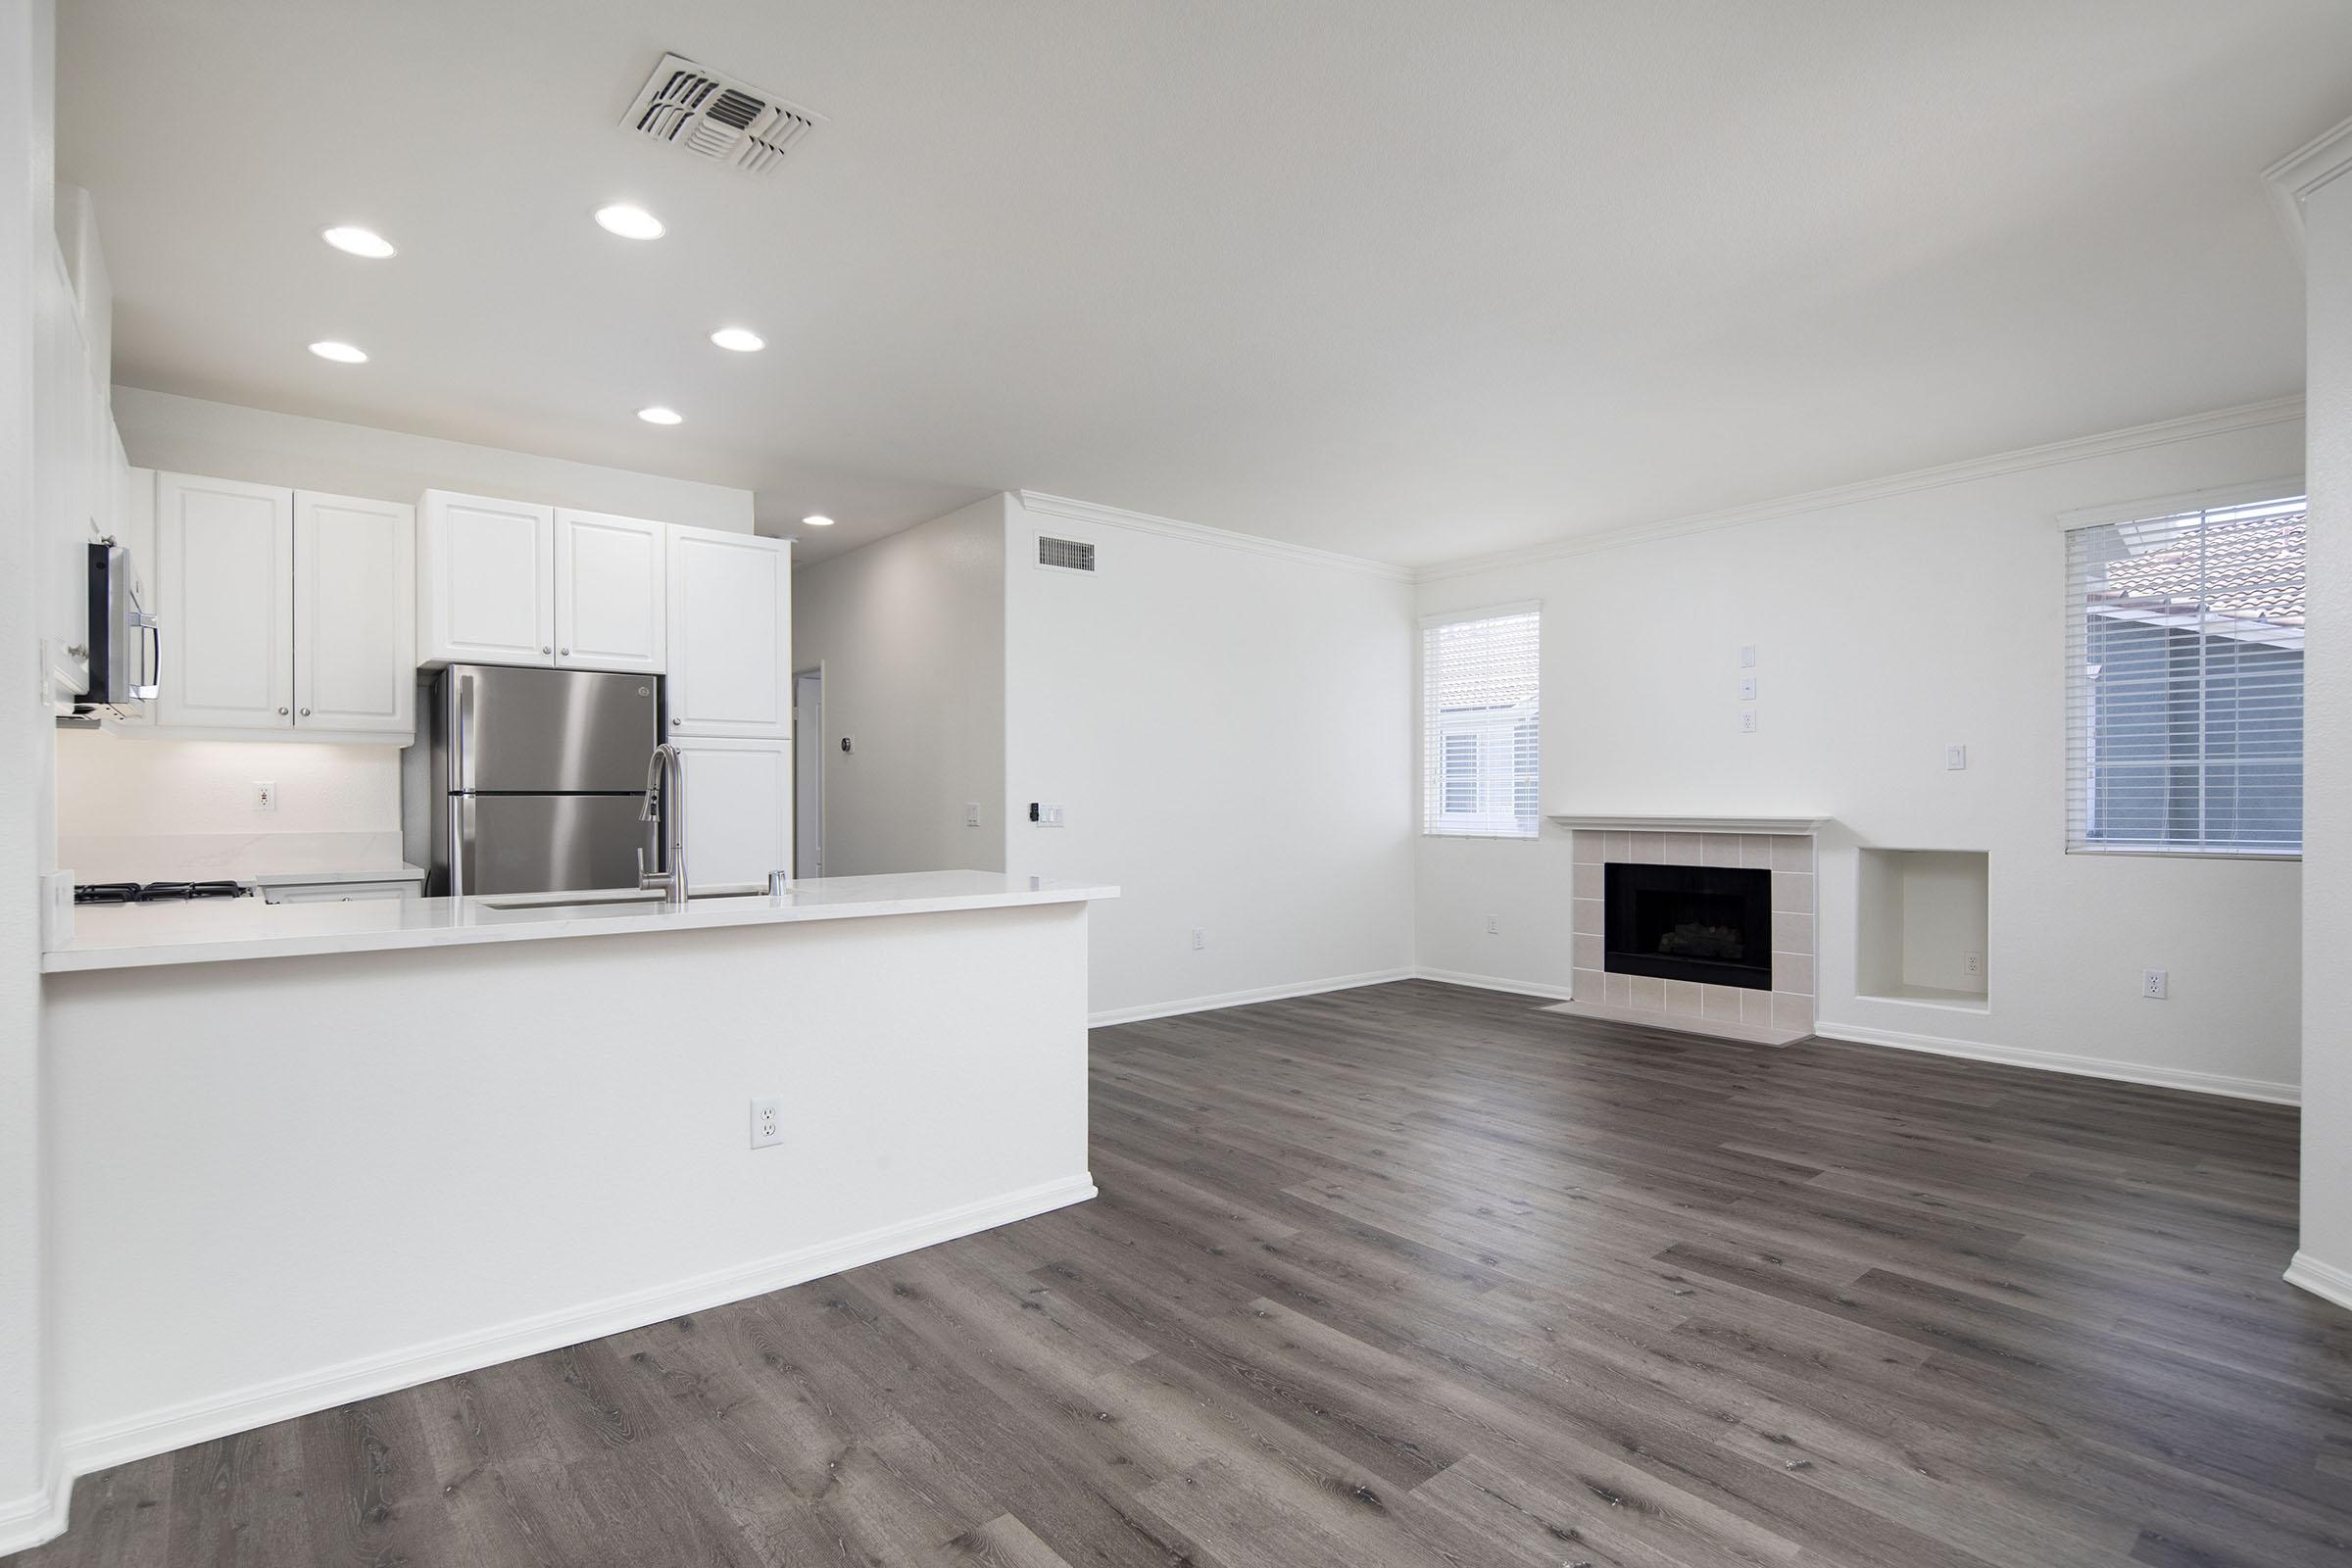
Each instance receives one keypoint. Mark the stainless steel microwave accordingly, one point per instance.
(126, 646)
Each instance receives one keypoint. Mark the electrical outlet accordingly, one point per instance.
(971, 814)
(767, 1123)
(1973, 962)
(1748, 688)
(1199, 939)
(265, 797)
(1747, 657)
(1955, 758)
(2155, 984)
(1747, 721)
(1493, 926)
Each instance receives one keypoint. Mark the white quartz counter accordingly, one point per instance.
(211, 931)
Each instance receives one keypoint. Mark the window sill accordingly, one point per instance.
(2160, 852)
(1518, 838)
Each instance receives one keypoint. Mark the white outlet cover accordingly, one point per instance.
(1748, 688)
(1747, 721)
(1747, 657)
(767, 1123)
(971, 814)
(264, 794)
(2156, 985)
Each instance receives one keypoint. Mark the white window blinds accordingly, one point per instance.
(2184, 691)
(1480, 727)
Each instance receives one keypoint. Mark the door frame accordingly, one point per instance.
(816, 781)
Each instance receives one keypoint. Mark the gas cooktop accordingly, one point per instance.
(155, 892)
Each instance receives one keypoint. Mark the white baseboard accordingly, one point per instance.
(161, 1431)
(2130, 1072)
(1487, 982)
(38, 1515)
(1242, 998)
(2323, 1280)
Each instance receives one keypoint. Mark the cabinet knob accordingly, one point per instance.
(281, 712)
(566, 651)
(306, 713)
(543, 648)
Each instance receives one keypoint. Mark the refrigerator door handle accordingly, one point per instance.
(461, 729)
(460, 842)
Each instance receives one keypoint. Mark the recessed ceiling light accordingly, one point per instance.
(819, 523)
(629, 222)
(359, 242)
(660, 415)
(742, 339)
(340, 353)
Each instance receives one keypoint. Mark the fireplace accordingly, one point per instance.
(1711, 924)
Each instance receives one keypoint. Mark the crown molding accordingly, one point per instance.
(1041, 505)
(2292, 179)
(2223, 421)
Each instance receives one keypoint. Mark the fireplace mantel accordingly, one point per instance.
(1694, 824)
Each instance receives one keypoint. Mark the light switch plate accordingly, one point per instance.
(1955, 758)
(1747, 657)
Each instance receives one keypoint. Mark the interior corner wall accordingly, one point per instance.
(2326, 1228)
(1886, 630)
(911, 633)
(228, 441)
(1223, 728)
(28, 37)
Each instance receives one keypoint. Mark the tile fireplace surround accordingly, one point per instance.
(1783, 846)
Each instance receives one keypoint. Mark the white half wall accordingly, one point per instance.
(2325, 1259)
(227, 441)
(911, 633)
(1889, 627)
(29, 1494)
(1225, 724)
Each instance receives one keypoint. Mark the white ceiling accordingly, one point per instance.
(1404, 278)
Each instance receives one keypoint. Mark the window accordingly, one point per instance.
(2184, 701)
(1481, 734)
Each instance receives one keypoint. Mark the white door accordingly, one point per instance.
(354, 614)
(730, 635)
(486, 582)
(611, 591)
(225, 574)
(738, 810)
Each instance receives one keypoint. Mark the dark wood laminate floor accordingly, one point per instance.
(1415, 1275)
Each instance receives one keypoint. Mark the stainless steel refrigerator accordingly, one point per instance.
(535, 779)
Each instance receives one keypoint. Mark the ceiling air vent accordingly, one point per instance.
(717, 117)
(1064, 555)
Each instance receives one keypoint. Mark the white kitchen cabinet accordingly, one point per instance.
(738, 810)
(224, 579)
(485, 582)
(354, 614)
(611, 591)
(730, 635)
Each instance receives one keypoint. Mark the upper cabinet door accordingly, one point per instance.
(611, 598)
(486, 579)
(354, 614)
(225, 574)
(730, 634)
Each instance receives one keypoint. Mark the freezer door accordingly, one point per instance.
(548, 731)
(546, 843)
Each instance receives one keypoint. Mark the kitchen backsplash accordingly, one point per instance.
(115, 787)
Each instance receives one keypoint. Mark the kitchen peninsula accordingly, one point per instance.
(302, 1154)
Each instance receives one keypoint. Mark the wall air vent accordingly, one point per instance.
(1064, 555)
(717, 117)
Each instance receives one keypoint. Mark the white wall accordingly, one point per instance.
(26, 47)
(1887, 628)
(910, 632)
(2327, 1240)
(225, 441)
(1225, 724)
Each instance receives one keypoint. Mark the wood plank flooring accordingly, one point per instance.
(1418, 1275)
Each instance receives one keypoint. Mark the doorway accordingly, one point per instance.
(809, 773)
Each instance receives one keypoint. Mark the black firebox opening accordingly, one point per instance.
(1708, 923)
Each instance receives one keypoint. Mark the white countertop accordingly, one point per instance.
(209, 931)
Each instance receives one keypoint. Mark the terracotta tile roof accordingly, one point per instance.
(2250, 571)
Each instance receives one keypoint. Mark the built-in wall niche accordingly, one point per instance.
(1922, 918)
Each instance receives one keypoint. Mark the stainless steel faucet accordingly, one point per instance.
(665, 806)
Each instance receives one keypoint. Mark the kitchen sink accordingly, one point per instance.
(575, 900)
